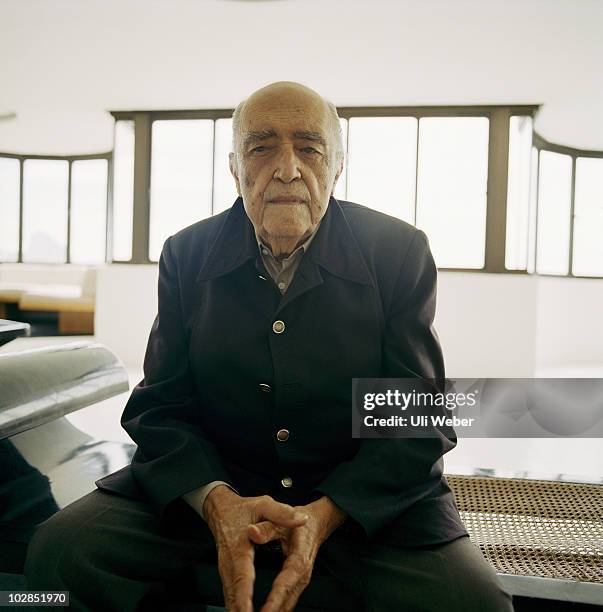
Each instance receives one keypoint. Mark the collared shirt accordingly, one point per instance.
(282, 272)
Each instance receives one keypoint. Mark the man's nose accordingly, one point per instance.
(287, 166)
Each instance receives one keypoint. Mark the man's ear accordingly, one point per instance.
(232, 163)
(340, 162)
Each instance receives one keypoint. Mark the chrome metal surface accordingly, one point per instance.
(39, 385)
(42, 470)
(45, 461)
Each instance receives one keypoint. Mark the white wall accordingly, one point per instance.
(508, 325)
(486, 324)
(126, 304)
(569, 326)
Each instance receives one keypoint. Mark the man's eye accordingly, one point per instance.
(309, 150)
(259, 149)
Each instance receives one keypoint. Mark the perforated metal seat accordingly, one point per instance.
(535, 527)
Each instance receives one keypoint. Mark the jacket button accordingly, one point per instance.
(278, 327)
(265, 388)
(287, 482)
(282, 435)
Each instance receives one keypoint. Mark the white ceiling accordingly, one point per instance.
(64, 64)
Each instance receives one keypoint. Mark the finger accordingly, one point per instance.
(244, 578)
(238, 577)
(287, 586)
(283, 597)
(280, 514)
(265, 531)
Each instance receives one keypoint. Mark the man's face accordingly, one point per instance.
(286, 163)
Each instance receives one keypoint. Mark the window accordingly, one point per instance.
(518, 193)
(429, 166)
(123, 190)
(181, 178)
(88, 230)
(382, 162)
(588, 217)
(45, 193)
(225, 191)
(449, 201)
(451, 188)
(533, 206)
(341, 187)
(554, 204)
(10, 174)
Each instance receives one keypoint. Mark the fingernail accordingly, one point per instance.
(300, 516)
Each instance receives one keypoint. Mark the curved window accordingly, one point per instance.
(588, 218)
(554, 208)
(489, 192)
(54, 210)
(45, 195)
(518, 193)
(88, 227)
(10, 172)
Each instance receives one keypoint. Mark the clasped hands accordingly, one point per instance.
(239, 523)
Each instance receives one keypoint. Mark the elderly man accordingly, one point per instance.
(245, 458)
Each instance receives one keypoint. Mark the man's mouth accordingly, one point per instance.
(286, 200)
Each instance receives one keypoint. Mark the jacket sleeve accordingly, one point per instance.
(386, 476)
(161, 416)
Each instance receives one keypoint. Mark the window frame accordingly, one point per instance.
(496, 203)
(22, 158)
(498, 152)
(541, 144)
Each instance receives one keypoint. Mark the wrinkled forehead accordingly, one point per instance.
(285, 116)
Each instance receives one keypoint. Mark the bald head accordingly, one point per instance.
(286, 94)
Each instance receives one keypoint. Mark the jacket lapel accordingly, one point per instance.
(234, 245)
(334, 249)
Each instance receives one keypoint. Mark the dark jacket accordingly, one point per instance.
(361, 304)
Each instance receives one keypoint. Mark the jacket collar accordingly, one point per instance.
(334, 247)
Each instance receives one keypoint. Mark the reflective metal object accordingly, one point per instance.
(39, 385)
(46, 462)
(42, 470)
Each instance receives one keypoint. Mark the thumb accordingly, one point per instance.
(281, 514)
(264, 531)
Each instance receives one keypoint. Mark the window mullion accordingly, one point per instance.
(142, 179)
(496, 207)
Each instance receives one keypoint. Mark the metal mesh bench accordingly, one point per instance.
(545, 539)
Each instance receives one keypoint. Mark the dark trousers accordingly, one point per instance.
(114, 554)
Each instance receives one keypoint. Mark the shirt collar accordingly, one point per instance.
(332, 246)
(304, 246)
